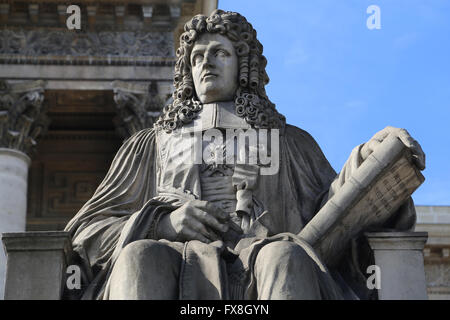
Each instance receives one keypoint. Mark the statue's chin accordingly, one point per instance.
(215, 100)
(215, 96)
(215, 91)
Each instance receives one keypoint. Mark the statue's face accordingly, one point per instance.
(214, 68)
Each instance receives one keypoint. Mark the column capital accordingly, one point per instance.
(22, 115)
(138, 106)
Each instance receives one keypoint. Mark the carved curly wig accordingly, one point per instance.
(251, 100)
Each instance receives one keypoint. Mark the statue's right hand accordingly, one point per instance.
(195, 220)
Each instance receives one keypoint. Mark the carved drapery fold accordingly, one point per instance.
(138, 106)
(22, 115)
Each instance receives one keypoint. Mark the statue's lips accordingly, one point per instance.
(209, 76)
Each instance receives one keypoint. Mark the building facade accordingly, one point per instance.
(436, 221)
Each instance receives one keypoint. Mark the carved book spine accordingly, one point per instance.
(375, 191)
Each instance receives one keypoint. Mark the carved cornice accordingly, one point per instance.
(22, 115)
(138, 106)
(86, 48)
(94, 14)
(437, 253)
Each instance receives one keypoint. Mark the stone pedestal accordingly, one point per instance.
(36, 264)
(13, 197)
(400, 258)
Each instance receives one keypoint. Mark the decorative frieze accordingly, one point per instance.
(66, 191)
(66, 47)
(22, 115)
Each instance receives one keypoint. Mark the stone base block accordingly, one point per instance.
(36, 264)
(399, 255)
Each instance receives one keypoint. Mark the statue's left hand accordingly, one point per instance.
(403, 135)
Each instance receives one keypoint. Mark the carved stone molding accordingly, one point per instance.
(138, 106)
(437, 253)
(22, 115)
(90, 48)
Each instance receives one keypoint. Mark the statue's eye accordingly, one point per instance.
(221, 53)
(197, 59)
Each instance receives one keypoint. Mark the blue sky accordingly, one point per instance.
(333, 77)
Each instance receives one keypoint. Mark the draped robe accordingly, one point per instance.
(132, 194)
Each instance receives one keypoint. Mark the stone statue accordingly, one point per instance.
(160, 226)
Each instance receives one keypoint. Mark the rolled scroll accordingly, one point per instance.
(374, 192)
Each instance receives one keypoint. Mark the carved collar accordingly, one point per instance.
(216, 115)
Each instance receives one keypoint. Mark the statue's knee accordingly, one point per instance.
(148, 252)
(137, 248)
(281, 252)
(146, 269)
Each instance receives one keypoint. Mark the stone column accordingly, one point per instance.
(209, 6)
(13, 189)
(399, 255)
(22, 120)
(138, 106)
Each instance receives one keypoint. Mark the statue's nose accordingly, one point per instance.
(208, 62)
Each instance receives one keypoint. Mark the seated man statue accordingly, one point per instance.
(160, 226)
